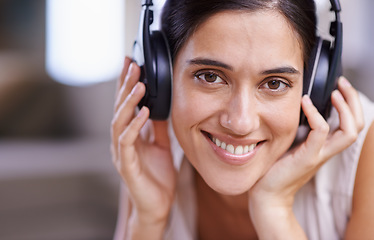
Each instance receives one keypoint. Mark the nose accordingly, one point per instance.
(240, 114)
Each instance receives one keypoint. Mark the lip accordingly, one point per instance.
(232, 159)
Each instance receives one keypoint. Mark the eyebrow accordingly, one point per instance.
(210, 62)
(280, 70)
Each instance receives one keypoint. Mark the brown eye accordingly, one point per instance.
(209, 77)
(274, 84)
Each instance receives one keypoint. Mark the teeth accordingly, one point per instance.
(246, 149)
(218, 142)
(239, 150)
(230, 148)
(223, 145)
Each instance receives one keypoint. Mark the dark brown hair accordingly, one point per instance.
(180, 18)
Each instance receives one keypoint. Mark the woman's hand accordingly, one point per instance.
(271, 199)
(144, 161)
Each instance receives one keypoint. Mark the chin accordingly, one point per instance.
(230, 188)
(231, 192)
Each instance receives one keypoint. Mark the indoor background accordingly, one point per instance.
(56, 176)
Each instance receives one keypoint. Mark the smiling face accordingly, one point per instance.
(236, 96)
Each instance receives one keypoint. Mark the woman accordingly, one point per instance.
(230, 173)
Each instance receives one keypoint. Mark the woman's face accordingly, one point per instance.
(236, 96)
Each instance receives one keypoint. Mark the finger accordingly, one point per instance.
(346, 118)
(352, 98)
(128, 163)
(132, 77)
(121, 79)
(161, 137)
(318, 125)
(126, 112)
(347, 132)
(120, 82)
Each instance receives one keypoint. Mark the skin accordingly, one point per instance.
(363, 195)
(249, 93)
(239, 108)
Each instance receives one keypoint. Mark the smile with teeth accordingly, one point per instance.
(238, 150)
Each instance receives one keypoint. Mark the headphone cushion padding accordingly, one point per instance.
(160, 104)
(318, 95)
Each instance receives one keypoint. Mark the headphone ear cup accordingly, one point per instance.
(159, 101)
(319, 96)
(316, 77)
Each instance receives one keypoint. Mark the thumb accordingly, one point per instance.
(161, 136)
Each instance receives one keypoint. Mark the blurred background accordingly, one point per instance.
(56, 176)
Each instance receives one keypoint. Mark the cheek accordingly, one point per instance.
(283, 119)
(190, 106)
(184, 104)
(188, 111)
(187, 108)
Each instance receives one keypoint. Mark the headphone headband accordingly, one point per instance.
(155, 62)
(147, 2)
(335, 4)
(149, 65)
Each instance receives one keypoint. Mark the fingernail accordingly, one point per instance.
(131, 68)
(338, 95)
(141, 112)
(127, 61)
(135, 88)
(307, 99)
(345, 82)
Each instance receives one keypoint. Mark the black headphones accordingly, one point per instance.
(152, 53)
(324, 66)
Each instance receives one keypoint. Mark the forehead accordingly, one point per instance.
(243, 34)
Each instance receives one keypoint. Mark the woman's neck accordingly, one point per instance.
(221, 216)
